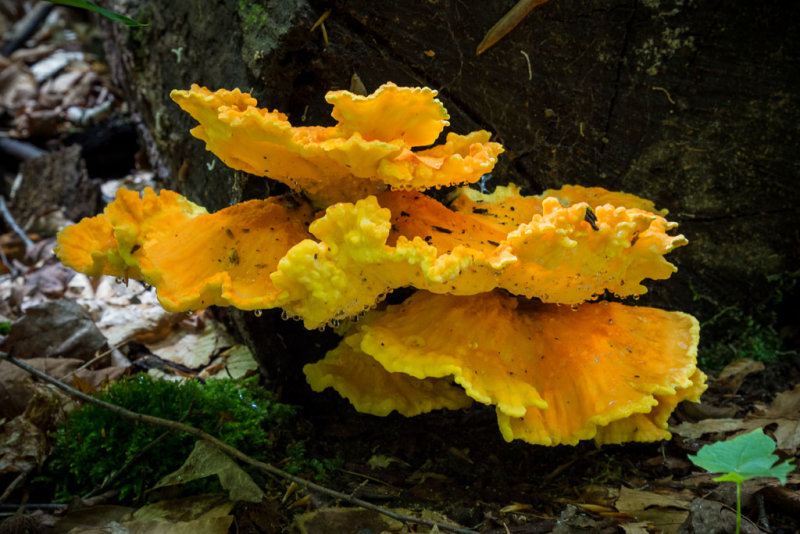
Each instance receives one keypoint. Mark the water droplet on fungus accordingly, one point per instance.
(284, 315)
(257, 313)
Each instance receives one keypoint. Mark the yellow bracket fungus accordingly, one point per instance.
(369, 148)
(556, 374)
(194, 259)
(367, 249)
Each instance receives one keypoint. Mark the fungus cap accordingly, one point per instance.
(194, 259)
(367, 151)
(557, 375)
(366, 249)
(373, 390)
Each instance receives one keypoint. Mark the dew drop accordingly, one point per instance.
(284, 315)
(335, 323)
(321, 328)
(257, 313)
(119, 280)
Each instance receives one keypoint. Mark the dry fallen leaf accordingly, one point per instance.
(733, 375)
(784, 412)
(665, 512)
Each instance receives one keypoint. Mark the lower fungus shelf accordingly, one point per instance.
(492, 345)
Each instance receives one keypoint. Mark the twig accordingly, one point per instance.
(20, 149)
(528, 61)
(97, 358)
(236, 453)
(507, 23)
(34, 506)
(4, 259)
(15, 483)
(28, 26)
(13, 224)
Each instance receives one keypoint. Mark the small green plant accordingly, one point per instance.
(731, 332)
(91, 6)
(93, 443)
(742, 458)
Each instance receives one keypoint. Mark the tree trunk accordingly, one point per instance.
(693, 105)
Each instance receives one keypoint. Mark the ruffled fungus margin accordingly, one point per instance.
(194, 259)
(367, 150)
(603, 371)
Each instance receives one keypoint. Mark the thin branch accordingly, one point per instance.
(16, 483)
(4, 259)
(236, 453)
(13, 224)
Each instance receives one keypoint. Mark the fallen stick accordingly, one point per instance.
(224, 447)
(13, 224)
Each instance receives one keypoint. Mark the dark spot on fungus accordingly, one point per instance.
(494, 243)
(135, 248)
(443, 230)
(246, 230)
(480, 211)
(591, 218)
(233, 256)
(428, 239)
(404, 214)
(229, 233)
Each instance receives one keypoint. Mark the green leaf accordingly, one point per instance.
(5, 327)
(91, 6)
(742, 458)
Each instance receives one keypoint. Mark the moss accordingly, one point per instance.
(93, 443)
(733, 332)
(252, 15)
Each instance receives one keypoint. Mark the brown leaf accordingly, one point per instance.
(783, 412)
(14, 389)
(23, 445)
(733, 375)
(665, 512)
(54, 328)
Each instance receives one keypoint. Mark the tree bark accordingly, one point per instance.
(691, 104)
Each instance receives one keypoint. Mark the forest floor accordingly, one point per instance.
(451, 468)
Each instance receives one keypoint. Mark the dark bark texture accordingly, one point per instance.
(692, 104)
